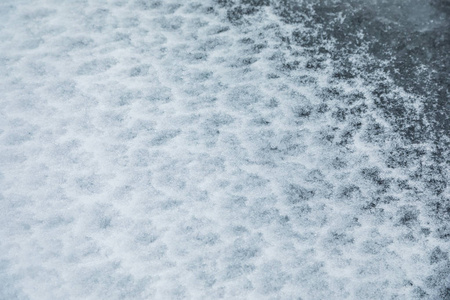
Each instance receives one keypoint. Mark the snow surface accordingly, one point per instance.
(159, 150)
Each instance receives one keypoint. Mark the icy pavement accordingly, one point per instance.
(213, 150)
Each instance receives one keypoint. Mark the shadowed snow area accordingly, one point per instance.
(224, 149)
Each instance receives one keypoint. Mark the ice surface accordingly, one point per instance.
(216, 149)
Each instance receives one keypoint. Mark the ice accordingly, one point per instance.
(221, 149)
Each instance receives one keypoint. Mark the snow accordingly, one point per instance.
(157, 150)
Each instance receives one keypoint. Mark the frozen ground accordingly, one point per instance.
(224, 149)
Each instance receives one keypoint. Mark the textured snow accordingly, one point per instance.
(171, 150)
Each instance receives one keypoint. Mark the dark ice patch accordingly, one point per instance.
(145, 238)
(159, 94)
(443, 232)
(170, 23)
(407, 216)
(260, 216)
(439, 282)
(218, 29)
(236, 270)
(164, 136)
(273, 278)
(374, 175)
(96, 66)
(91, 184)
(437, 255)
(256, 3)
(302, 112)
(235, 202)
(141, 70)
(5, 9)
(39, 13)
(243, 62)
(298, 194)
(244, 253)
(74, 43)
(141, 157)
(236, 14)
(375, 246)
(122, 37)
(208, 239)
(97, 20)
(147, 4)
(212, 43)
(31, 44)
(131, 22)
(242, 97)
(290, 144)
(65, 89)
(9, 287)
(338, 239)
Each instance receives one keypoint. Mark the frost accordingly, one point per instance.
(218, 149)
